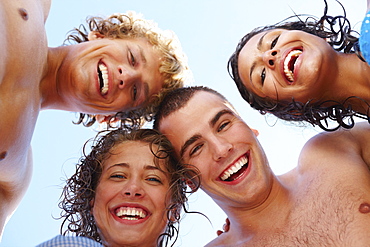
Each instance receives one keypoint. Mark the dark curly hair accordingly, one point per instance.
(81, 186)
(173, 66)
(337, 30)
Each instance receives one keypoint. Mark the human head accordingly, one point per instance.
(173, 66)
(339, 35)
(79, 195)
(206, 132)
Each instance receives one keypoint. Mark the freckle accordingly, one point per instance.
(23, 13)
(3, 155)
(364, 208)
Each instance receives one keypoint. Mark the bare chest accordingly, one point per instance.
(22, 63)
(333, 216)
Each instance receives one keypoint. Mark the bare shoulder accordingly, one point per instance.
(343, 143)
(224, 240)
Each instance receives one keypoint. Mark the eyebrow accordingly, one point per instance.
(190, 141)
(126, 165)
(217, 117)
(196, 137)
(259, 45)
(146, 91)
(141, 53)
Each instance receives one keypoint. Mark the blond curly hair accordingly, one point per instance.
(173, 66)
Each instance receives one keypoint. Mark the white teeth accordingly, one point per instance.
(104, 72)
(289, 74)
(130, 213)
(235, 168)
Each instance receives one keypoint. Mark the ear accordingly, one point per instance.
(191, 185)
(94, 35)
(255, 132)
(105, 119)
(92, 202)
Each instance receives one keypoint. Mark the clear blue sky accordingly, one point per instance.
(209, 31)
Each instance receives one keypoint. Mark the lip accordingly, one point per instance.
(130, 205)
(242, 175)
(105, 96)
(296, 66)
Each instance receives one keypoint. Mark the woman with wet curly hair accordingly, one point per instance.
(129, 190)
(304, 69)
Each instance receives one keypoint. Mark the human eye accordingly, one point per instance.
(134, 92)
(132, 59)
(223, 125)
(195, 150)
(263, 76)
(154, 179)
(118, 176)
(273, 43)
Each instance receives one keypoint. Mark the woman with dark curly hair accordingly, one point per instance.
(119, 69)
(304, 70)
(128, 191)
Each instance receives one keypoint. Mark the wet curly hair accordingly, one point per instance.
(80, 188)
(173, 67)
(337, 30)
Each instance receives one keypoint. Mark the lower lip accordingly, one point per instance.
(296, 67)
(96, 77)
(241, 176)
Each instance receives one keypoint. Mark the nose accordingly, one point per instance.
(269, 58)
(127, 76)
(133, 189)
(221, 148)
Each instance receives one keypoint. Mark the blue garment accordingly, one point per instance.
(70, 241)
(364, 39)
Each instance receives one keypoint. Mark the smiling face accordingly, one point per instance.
(208, 134)
(110, 75)
(282, 64)
(130, 200)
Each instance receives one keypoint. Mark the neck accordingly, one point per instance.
(51, 99)
(245, 223)
(353, 79)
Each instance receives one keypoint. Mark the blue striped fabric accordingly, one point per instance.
(70, 241)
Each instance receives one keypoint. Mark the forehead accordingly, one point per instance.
(248, 54)
(194, 118)
(151, 69)
(136, 153)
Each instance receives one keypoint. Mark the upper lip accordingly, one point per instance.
(287, 65)
(103, 78)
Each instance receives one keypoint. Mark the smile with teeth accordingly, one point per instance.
(234, 169)
(289, 64)
(129, 213)
(103, 78)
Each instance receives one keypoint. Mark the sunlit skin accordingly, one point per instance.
(320, 73)
(133, 74)
(323, 201)
(131, 179)
(213, 146)
(35, 77)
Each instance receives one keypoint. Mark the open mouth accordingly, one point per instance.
(289, 64)
(235, 170)
(130, 213)
(103, 78)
